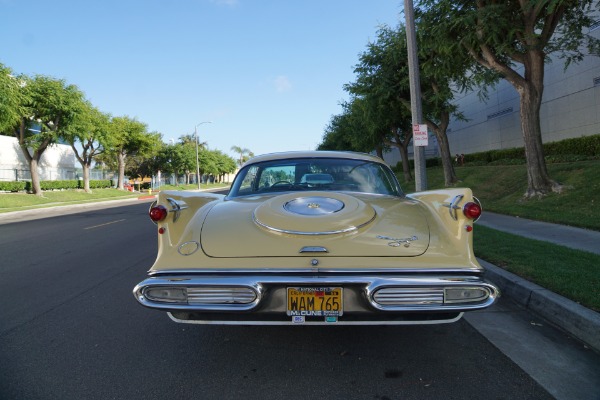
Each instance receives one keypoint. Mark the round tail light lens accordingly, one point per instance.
(472, 210)
(158, 213)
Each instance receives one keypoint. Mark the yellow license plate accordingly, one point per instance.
(315, 301)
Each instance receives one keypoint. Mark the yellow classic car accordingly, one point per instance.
(316, 237)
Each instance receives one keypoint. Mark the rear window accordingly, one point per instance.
(327, 174)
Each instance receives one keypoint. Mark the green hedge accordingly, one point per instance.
(12, 186)
(53, 185)
(568, 150)
(100, 184)
(583, 146)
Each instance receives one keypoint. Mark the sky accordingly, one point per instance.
(267, 74)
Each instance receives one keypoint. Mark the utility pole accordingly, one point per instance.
(415, 94)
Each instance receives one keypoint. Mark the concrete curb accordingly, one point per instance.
(575, 319)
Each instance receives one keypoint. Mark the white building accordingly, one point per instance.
(58, 162)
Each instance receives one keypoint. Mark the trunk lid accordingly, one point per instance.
(302, 224)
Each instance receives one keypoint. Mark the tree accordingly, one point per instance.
(49, 107)
(187, 155)
(382, 80)
(225, 164)
(352, 130)
(244, 153)
(503, 36)
(129, 138)
(11, 99)
(88, 135)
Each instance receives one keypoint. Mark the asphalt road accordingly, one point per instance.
(71, 329)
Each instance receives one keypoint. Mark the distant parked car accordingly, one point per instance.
(316, 238)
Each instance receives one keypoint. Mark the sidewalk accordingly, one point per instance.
(580, 322)
(568, 236)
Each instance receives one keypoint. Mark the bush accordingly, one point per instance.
(12, 186)
(99, 184)
(568, 150)
(582, 146)
(59, 185)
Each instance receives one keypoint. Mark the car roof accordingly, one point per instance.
(315, 154)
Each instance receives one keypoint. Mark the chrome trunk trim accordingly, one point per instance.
(340, 323)
(313, 270)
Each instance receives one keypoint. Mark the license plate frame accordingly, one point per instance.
(315, 301)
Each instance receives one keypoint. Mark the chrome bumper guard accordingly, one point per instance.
(266, 294)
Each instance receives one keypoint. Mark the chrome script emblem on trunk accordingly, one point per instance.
(396, 242)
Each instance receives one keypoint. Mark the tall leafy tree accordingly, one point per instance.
(129, 138)
(49, 107)
(225, 164)
(514, 39)
(352, 130)
(88, 135)
(11, 99)
(382, 80)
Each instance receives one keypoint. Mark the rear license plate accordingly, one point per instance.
(315, 301)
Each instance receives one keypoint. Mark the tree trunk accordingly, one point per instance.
(403, 147)
(405, 164)
(121, 161)
(440, 133)
(539, 182)
(32, 159)
(36, 187)
(86, 177)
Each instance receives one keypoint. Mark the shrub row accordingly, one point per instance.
(568, 150)
(53, 185)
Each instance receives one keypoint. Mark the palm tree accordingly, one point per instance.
(244, 153)
(190, 139)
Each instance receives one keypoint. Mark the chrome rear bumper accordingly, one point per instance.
(261, 299)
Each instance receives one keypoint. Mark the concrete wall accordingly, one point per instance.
(57, 162)
(570, 108)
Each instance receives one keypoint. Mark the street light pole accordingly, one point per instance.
(197, 157)
(415, 94)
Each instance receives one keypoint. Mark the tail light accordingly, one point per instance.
(472, 210)
(158, 213)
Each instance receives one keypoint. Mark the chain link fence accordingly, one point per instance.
(53, 174)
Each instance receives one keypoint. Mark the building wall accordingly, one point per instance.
(57, 162)
(570, 108)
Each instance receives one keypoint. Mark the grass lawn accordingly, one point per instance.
(571, 273)
(501, 189)
(24, 201)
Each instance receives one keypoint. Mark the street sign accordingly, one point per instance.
(420, 136)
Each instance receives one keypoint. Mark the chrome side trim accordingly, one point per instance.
(453, 206)
(476, 200)
(220, 322)
(176, 207)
